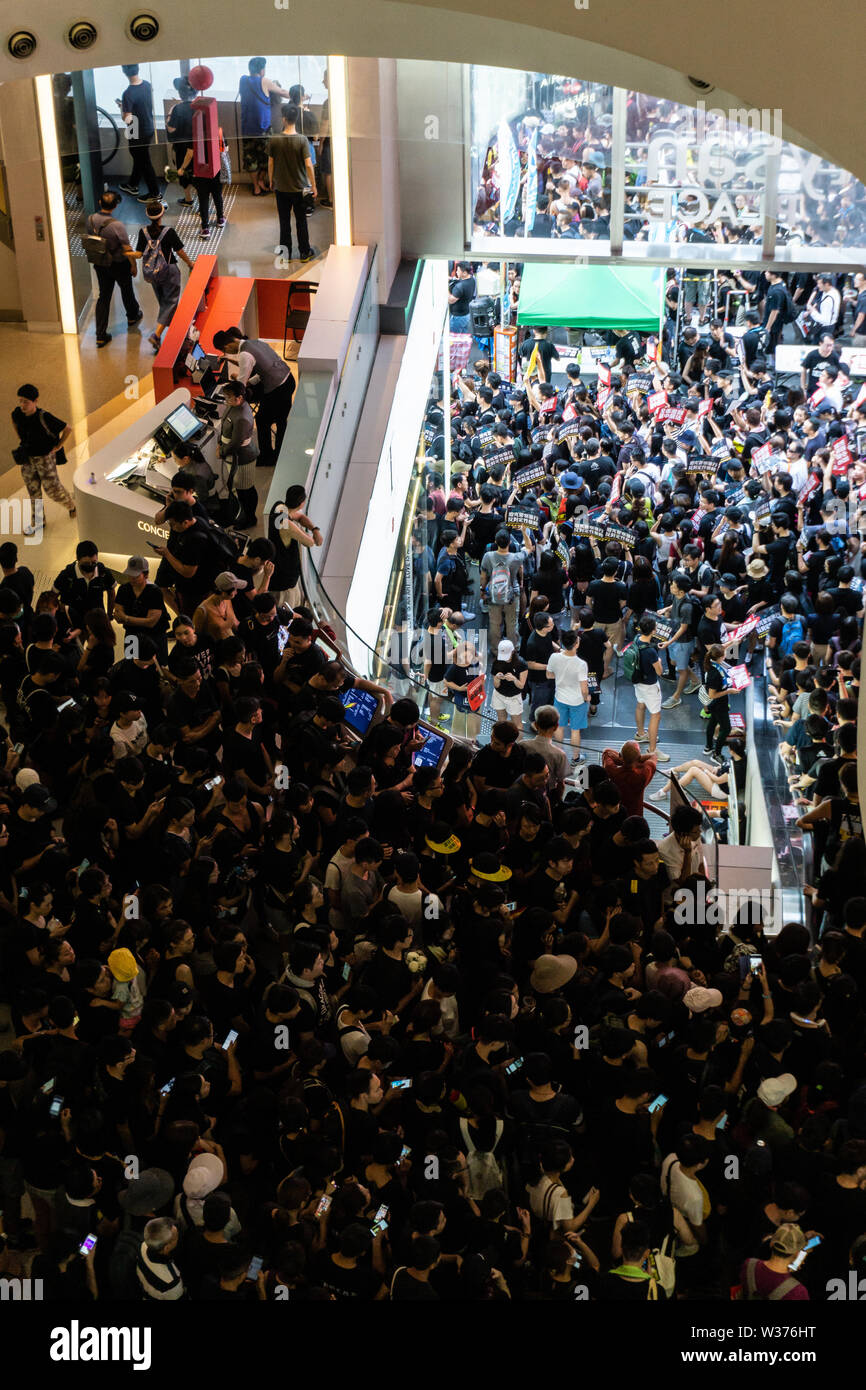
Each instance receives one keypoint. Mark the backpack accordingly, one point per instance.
(500, 584)
(631, 664)
(751, 1287)
(789, 312)
(96, 248)
(223, 549)
(663, 1265)
(154, 266)
(483, 1168)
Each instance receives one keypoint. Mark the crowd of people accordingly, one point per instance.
(299, 1013)
(563, 145)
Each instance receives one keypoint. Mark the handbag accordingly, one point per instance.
(475, 693)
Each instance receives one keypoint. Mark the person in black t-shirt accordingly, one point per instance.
(41, 438)
(167, 286)
(140, 607)
(461, 292)
(184, 574)
(545, 352)
(136, 107)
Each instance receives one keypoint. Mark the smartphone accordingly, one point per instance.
(324, 1205)
(722, 1121)
(88, 1244)
(214, 782)
(657, 1104)
(153, 545)
(18, 748)
(55, 1107)
(576, 1259)
(166, 1089)
(255, 1265)
(380, 1221)
(48, 1087)
(85, 864)
(402, 1083)
(405, 1152)
(514, 1066)
(230, 1037)
(797, 1261)
(65, 705)
(748, 966)
(347, 970)
(665, 1039)
(511, 907)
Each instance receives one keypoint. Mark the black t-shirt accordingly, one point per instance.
(169, 241)
(648, 660)
(540, 649)
(464, 293)
(139, 605)
(38, 432)
(138, 100)
(406, 1289)
(814, 361)
(498, 771)
(508, 686)
(546, 352)
(605, 599)
(189, 547)
(776, 298)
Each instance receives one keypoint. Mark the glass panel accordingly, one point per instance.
(818, 204)
(541, 156)
(692, 176)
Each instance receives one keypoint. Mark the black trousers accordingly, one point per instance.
(107, 277)
(206, 189)
(273, 410)
(719, 723)
(287, 204)
(142, 167)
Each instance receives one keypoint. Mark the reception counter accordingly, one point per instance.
(119, 490)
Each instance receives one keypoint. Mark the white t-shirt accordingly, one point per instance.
(553, 1207)
(128, 742)
(568, 672)
(686, 1194)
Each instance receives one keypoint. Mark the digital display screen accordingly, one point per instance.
(183, 422)
(431, 753)
(360, 707)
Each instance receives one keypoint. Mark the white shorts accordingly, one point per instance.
(650, 696)
(511, 704)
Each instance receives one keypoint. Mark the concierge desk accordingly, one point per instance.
(274, 309)
(119, 490)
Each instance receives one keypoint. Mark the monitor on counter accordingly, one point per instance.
(183, 423)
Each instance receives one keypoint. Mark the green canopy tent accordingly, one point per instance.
(591, 296)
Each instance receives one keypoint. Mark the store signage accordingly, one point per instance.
(153, 530)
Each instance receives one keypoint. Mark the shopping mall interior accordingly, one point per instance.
(433, 496)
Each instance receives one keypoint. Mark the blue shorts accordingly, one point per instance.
(680, 653)
(575, 717)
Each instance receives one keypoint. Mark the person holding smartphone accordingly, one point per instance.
(772, 1279)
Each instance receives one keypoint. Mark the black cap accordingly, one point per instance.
(39, 798)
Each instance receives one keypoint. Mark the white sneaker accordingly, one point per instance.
(661, 757)
(661, 793)
(690, 689)
(671, 702)
(641, 738)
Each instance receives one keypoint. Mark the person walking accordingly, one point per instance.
(41, 438)
(136, 107)
(255, 91)
(207, 188)
(290, 170)
(647, 689)
(119, 272)
(238, 448)
(718, 706)
(501, 578)
(252, 357)
(178, 127)
(570, 675)
(159, 249)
